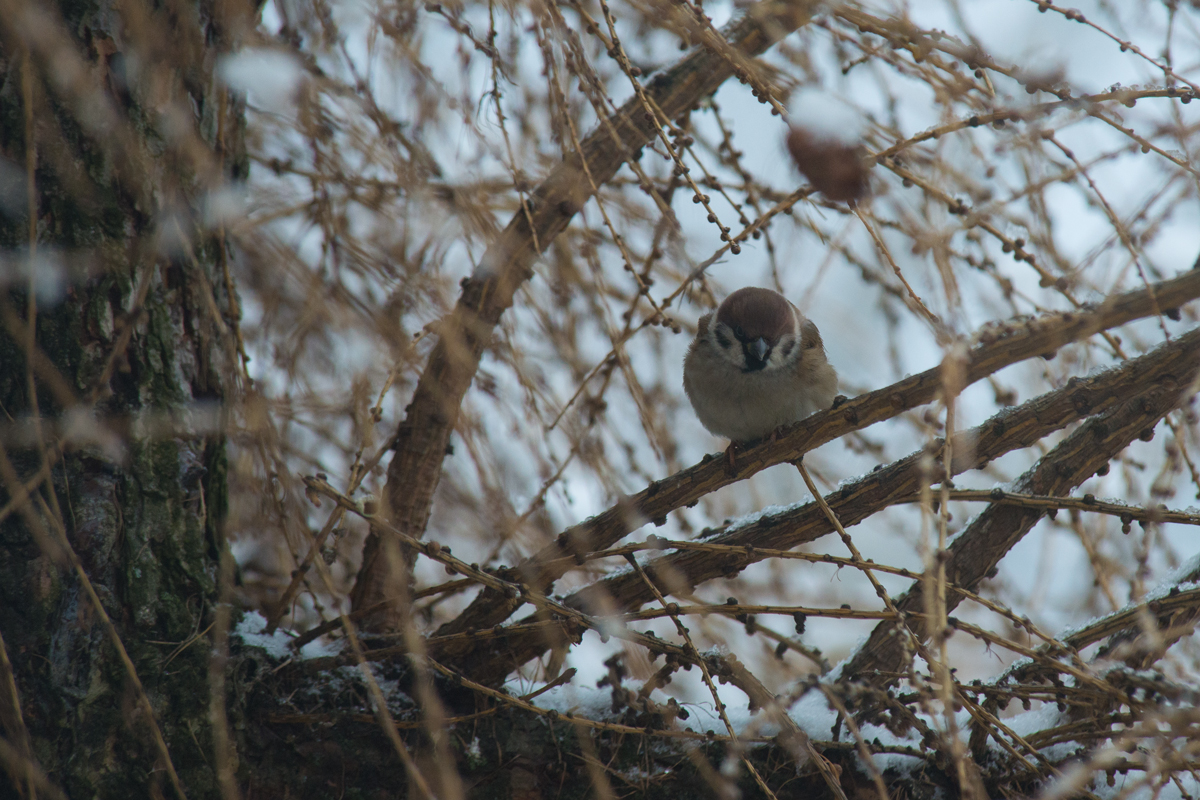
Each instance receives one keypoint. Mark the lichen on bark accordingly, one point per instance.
(137, 490)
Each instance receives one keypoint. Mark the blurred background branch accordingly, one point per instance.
(340, 375)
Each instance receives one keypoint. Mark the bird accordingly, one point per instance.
(755, 365)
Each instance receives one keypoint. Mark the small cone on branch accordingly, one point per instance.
(836, 169)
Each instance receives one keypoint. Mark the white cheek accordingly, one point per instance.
(732, 354)
(781, 355)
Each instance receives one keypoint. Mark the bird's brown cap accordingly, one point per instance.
(753, 312)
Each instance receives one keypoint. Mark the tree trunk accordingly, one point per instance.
(117, 398)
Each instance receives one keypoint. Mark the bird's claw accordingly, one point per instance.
(731, 458)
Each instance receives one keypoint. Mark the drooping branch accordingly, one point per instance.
(422, 438)
(1169, 365)
(1136, 636)
(998, 348)
(1125, 633)
(978, 549)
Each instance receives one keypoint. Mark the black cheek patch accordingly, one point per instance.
(722, 339)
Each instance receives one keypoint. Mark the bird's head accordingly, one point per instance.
(759, 330)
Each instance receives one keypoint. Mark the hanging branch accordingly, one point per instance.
(977, 550)
(422, 439)
(998, 348)
(1135, 637)
(723, 554)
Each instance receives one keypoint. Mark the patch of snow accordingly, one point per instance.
(749, 519)
(278, 644)
(813, 714)
(585, 701)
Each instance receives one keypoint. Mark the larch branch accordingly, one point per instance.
(423, 436)
(999, 347)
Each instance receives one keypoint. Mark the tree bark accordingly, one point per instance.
(112, 409)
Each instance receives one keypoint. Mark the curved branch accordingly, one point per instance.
(422, 438)
(1137, 636)
(1000, 346)
(1126, 631)
(978, 549)
(1169, 364)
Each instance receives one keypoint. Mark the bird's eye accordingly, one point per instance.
(722, 339)
(738, 332)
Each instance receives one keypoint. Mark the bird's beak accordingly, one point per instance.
(759, 349)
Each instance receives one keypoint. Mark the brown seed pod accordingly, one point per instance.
(836, 169)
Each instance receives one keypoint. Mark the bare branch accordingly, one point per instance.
(1168, 366)
(999, 348)
(977, 551)
(422, 438)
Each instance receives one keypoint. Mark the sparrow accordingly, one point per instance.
(756, 364)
